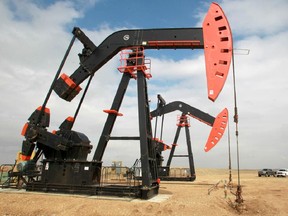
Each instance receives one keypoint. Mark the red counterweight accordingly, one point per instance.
(217, 48)
(218, 129)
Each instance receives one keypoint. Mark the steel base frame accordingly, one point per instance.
(92, 190)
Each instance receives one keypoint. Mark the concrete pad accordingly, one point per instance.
(157, 199)
(97, 197)
(11, 190)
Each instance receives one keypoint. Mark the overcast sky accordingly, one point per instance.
(35, 35)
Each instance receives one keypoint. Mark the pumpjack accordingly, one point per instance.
(65, 167)
(218, 125)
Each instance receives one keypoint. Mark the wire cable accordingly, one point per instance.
(239, 199)
(55, 79)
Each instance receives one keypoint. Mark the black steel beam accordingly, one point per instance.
(105, 136)
(174, 38)
(124, 138)
(186, 109)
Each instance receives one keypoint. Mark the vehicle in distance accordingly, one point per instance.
(282, 172)
(266, 172)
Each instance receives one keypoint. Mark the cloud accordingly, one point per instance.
(32, 47)
(36, 38)
(256, 17)
(260, 80)
(248, 18)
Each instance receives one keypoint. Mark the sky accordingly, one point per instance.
(36, 34)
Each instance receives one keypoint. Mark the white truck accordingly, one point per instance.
(282, 173)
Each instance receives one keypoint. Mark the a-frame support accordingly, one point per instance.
(148, 156)
(150, 185)
(105, 136)
(183, 122)
(164, 171)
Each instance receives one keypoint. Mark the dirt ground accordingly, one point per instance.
(262, 196)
